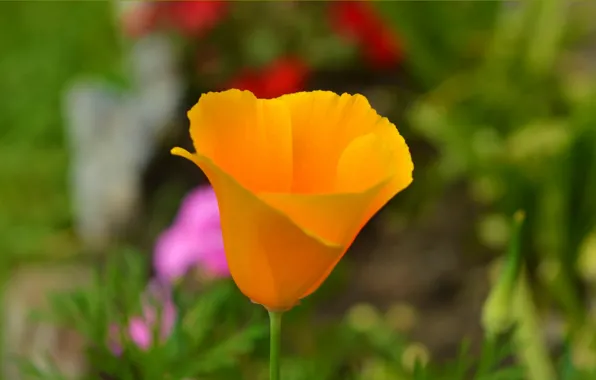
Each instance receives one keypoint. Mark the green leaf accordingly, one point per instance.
(198, 322)
(225, 354)
(497, 316)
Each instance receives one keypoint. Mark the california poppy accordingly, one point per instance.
(296, 178)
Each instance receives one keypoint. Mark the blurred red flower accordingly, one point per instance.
(359, 22)
(139, 19)
(188, 17)
(192, 17)
(283, 76)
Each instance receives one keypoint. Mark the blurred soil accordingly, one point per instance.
(37, 339)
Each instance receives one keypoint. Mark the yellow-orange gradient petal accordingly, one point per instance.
(370, 172)
(248, 138)
(323, 124)
(273, 261)
(335, 217)
(369, 159)
(296, 179)
(364, 171)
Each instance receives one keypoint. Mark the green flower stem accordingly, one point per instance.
(274, 347)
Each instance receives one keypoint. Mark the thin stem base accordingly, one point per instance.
(274, 347)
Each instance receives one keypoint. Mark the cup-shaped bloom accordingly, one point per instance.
(296, 179)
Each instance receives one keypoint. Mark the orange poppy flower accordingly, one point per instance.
(296, 178)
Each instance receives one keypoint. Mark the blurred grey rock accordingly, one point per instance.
(113, 136)
(157, 80)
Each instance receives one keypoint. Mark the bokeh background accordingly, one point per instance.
(496, 99)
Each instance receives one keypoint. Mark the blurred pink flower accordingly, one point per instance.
(157, 306)
(193, 240)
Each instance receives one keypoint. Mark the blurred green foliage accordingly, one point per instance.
(219, 334)
(45, 45)
(440, 37)
(523, 138)
(504, 113)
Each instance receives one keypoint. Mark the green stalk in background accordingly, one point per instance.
(496, 314)
(530, 345)
(547, 33)
(510, 305)
(274, 346)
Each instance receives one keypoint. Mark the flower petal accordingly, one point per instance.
(199, 209)
(371, 159)
(337, 218)
(248, 138)
(176, 252)
(372, 169)
(140, 333)
(335, 121)
(272, 260)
